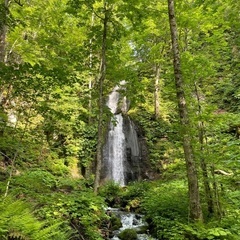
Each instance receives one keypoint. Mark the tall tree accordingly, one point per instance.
(193, 188)
(101, 78)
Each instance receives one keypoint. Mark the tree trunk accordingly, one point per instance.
(3, 28)
(195, 213)
(217, 202)
(207, 188)
(90, 83)
(156, 92)
(101, 78)
(3, 33)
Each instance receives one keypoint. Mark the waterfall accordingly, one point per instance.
(121, 152)
(116, 150)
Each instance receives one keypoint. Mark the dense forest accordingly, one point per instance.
(60, 60)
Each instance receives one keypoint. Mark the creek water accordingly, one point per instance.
(130, 221)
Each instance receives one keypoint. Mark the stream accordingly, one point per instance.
(130, 220)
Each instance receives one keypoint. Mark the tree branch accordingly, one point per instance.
(97, 14)
(18, 2)
(3, 154)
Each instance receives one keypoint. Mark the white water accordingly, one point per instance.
(113, 98)
(130, 221)
(121, 153)
(115, 151)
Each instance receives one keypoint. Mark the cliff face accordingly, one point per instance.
(137, 153)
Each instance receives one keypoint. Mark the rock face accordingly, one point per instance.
(124, 152)
(134, 156)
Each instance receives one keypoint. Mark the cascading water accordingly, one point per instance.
(121, 152)
(116, 153)
(129, 221)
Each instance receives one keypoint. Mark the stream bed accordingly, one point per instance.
(130, 220)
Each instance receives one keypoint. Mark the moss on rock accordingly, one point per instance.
(128, 234)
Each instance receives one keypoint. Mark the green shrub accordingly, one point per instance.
(169, 200)
(36, 181)
(83, 211)
(231, 222)
(132, 195)
(111, 191)
(165, 207)
(212, 231)
(135, 190)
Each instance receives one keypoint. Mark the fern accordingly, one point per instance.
(18, 222)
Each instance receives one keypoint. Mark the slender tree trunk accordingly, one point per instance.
(217, 202)
(3, 28)
(101, 78)
(207, 188)
(195, 213)
(86, 171)
(90, 83)
(156, 92)
(3, 34)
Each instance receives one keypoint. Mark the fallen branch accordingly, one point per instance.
(221, 172)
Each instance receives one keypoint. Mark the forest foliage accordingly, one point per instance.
(50, 56)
